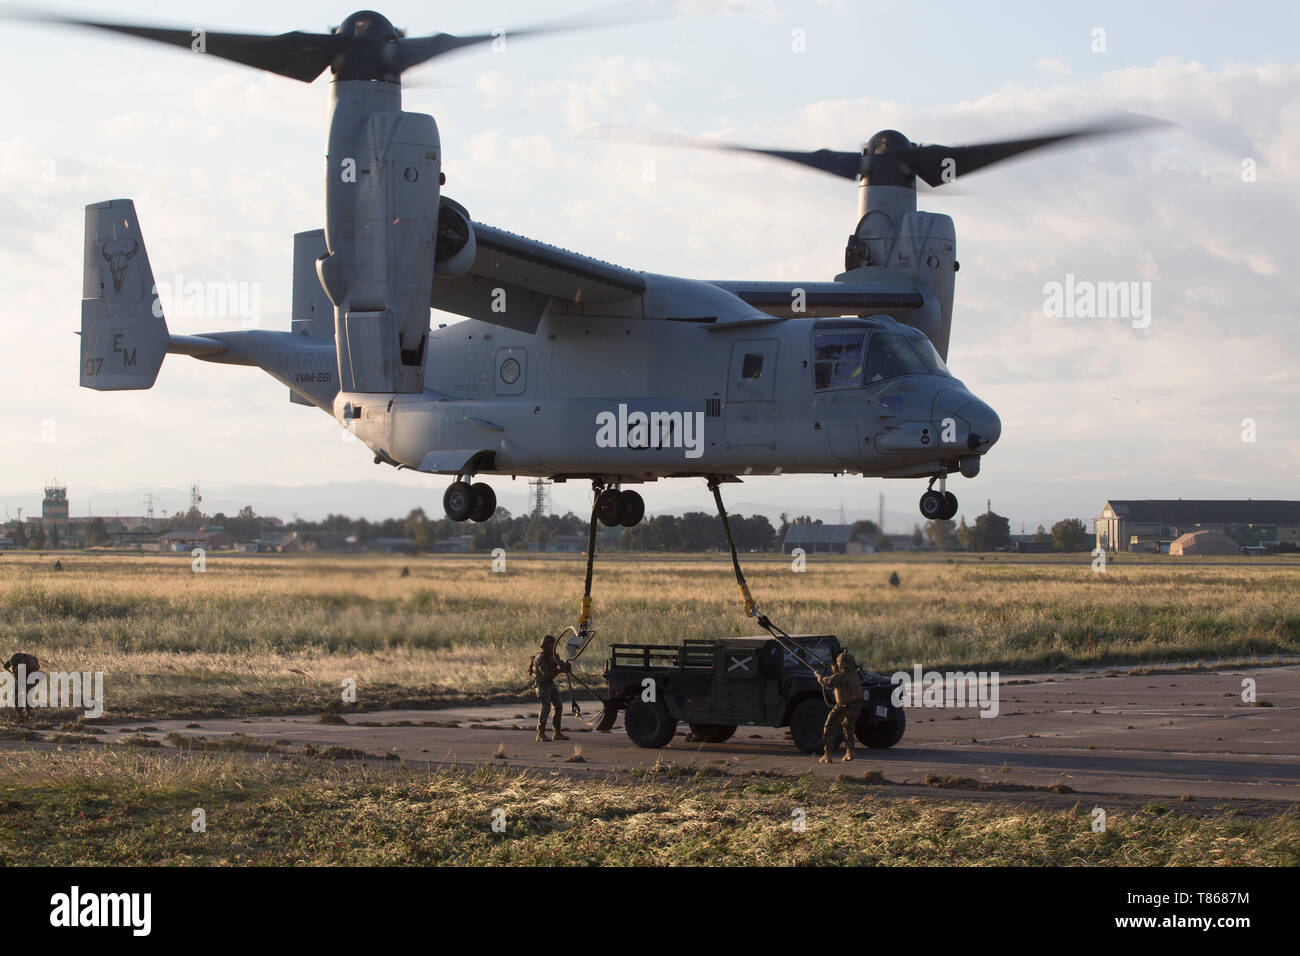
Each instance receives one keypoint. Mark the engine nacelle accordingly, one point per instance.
(456, 247)
(381, 203)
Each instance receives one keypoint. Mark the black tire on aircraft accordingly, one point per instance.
(633, 509)
(458, 500)
(485, 501)
(933, 505)
(609, 507)
(951, 510)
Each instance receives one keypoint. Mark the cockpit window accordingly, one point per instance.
(890, 355)
(930, 355)
(837, 360)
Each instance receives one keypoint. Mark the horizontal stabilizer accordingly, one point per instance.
(123, 334)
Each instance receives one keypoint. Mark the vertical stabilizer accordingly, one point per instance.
(123, 334)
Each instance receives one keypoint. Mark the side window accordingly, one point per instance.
(837, 360)
(752, 366)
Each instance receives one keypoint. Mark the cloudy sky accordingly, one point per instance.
(224, 165)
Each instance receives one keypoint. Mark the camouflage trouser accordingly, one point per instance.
(550, 697)
(846, 715)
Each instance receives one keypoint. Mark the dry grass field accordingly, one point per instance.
(123, 806)
(279, 634)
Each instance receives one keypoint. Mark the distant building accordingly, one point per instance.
(273, 543)
(209, 539)
(54, 515)
(568, 543)
(393, 545)
(1152, 525)
(1025, 544)
(824, 539)
(1204, 542)
(328, 541)
(458, 544)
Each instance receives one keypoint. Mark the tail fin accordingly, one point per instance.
(123, 334)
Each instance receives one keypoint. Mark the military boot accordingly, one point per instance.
(542, 738)
(558, 734)
(848, 755)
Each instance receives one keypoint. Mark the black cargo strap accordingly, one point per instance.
(574, 709)
(584, 619)
(797, 651)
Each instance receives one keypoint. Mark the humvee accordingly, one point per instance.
(718, 685)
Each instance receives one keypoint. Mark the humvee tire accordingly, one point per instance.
(807, 724)
(879, 735)
(649, 724)
(712, 733)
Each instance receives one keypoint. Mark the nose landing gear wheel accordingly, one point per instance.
(950, 511)
(934, 506)
(485, 501)
(458, 500)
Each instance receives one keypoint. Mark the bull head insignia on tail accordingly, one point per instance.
(116, 252)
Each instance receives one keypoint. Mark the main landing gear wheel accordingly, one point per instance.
(633, 509)
(614, 507)
(458, 500)
(611, 507)
(485, 501)
(938, 505)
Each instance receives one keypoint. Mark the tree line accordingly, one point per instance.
(690, 532)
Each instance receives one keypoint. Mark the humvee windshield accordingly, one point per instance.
(826, 649)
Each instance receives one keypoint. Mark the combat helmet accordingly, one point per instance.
(548, 641)
(845, 662)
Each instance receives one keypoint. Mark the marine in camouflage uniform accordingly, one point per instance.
(31, 665)
(847, 687)
(543, 669)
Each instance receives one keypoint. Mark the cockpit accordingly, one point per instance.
(851, 358)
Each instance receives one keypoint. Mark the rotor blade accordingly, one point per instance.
(417, 50)
(838, 163)
(300, 56)
(937, 165)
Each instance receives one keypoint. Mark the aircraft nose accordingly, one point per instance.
(985, 426)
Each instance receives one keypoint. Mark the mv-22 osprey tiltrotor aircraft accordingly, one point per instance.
(570, 367)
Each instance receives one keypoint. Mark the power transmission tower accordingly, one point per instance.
(539, 494)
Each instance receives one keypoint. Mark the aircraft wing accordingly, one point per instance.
(512, 278)
(819, 299)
